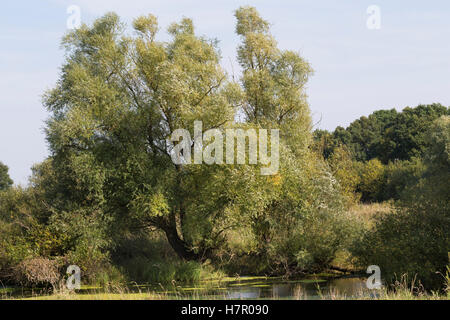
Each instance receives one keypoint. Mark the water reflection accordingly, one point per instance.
(301, 289)
(244, 293)
(242, 288)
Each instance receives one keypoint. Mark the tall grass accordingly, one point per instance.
(151, 260)
(144, 270)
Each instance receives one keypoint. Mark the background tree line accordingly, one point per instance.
(383, 152)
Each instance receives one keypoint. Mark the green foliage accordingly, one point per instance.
(116, 104)
(415, 240)
(399, 177)
(345, 170)
(299, 206)
(34, 228)
(371, 180)
(149, 259)
(5, 180)
(397, 139)
(143, 270)
(408, 242)
(385, 134)
(407, 136)
(122, 99)
(324, 143)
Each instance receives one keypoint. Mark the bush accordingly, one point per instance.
(143, 270)
(313, 227)
(399, 177)
(345, 171)
(408, 243)
(148, 258)
(415, 241)
(371, 180)
(37, 272)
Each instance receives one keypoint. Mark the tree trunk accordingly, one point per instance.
(179, 246)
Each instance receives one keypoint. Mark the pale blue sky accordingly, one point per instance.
(357, 70)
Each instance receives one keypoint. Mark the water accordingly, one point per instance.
(295, 289)
(239, 288)
(270, 288)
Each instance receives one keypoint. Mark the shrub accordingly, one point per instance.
(407, 243)
(149, 258)
(415, 241)
(313, 227)
(37, 272)
(345, 171)
(143, 270)
(371, 180)
(399, 177)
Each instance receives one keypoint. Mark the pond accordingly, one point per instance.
(234, 288)
(278, 288)
(295, 289)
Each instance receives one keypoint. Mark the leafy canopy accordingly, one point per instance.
(5, 180)
(120, 97)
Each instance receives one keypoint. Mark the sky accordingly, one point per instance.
(404, 62)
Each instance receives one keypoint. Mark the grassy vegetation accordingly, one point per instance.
(158, 274)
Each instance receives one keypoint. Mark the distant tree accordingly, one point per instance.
(5, 180)
(371, 180)
(345, 170)
(387, 135)
(406, 136)
(363, 136)
(399, 177)
(324, 143)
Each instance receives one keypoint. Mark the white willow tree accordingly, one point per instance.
(120, 97)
